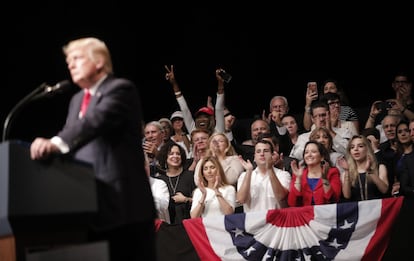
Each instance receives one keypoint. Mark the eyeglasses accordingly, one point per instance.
(322, 115)
(334, 103)
(278, 106)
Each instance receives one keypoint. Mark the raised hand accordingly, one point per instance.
(247, 165)
(169, 75)
(368, 165)
(217, 182)
(202, 187)
(342, 163)
(296, 169)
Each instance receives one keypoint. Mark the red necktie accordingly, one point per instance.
(85, 102)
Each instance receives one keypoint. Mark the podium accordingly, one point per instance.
(44, 204)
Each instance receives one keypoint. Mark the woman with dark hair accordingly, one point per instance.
(316, 181)
(180, 181)
(404, 147)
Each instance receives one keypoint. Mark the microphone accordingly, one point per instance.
(58, 87)
(40, 92)
(49, 91)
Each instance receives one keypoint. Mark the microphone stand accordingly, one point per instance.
(18, 107)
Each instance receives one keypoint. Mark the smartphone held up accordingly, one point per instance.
(225, 75)
(313, 88)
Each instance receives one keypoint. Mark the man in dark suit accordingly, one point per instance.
(107, 134)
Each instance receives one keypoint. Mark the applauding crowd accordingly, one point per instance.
(327, 154)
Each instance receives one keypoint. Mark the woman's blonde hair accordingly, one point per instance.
(230, 151)
(352, 165)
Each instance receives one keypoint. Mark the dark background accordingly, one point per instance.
(269, 49)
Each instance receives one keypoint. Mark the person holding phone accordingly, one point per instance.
(311, 95)
(346, 112)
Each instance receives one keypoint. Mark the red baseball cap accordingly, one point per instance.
(205, 110)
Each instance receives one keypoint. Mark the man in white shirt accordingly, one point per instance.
(265, 187)
(321, 118)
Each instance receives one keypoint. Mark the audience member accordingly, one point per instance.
(387, 157)
(214, 195)
(229, 121)
(320, 117)
(153, 140)
(373, 136)
(315, 182)
(293, 130)
(411, 125)
(220, 147)
(246, 149)
(278, 108)
(404, 148)
(180, 134)
(199, 139)
(264, 187)
(180, 181)
(205, 118)
(406, 170)
(388, 147)
(311, 96)
(402, 86)
(347, 113)
(364, 178)
(382, 110)
(280, 161)
(323, 136)
(160, 193)
(166, 128)
(333, 100)
(402, 105)
(258, 126)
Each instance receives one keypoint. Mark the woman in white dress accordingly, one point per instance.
(214, 195)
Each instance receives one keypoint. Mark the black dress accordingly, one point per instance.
(363, 190)
(183, 183)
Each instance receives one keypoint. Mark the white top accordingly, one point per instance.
(340, 142)
(161, 198)
(261, 192)
(212, 204)
(218, 112)
(345, 125)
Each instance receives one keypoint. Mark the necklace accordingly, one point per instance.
(174, 188)
(365, 186)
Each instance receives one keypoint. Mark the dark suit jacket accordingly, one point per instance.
(407, 176)
(109, 138)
